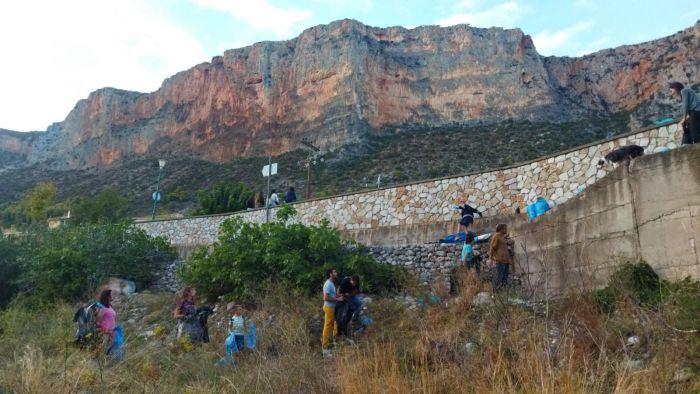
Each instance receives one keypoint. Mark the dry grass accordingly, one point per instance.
(567, 347)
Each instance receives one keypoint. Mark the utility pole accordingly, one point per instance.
(267, 198)
(309, 162)
(156, 195)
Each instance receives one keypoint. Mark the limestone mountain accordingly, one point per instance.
(340, 83)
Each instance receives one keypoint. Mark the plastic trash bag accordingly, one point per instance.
(117, 350)
(251, 339)
(230, 344)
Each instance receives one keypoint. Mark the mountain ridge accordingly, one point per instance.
(340, 83)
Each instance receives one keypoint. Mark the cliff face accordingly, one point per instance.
(335, 83)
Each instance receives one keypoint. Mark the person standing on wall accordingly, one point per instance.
(274, 200)
(467, 213)
(329, 300)
(691, 112)
(500, 254)
(290, 196)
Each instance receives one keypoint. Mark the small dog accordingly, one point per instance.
(623, 153)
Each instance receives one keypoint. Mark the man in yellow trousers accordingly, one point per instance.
(329, 300)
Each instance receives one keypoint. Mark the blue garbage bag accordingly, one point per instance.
(118, 336)
(251, 339)
(230, 343)
(541, 206)
(531, 212)
(117, 350)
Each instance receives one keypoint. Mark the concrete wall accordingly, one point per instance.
(645, 211)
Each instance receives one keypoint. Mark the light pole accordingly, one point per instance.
(309, 162)
(156, 195)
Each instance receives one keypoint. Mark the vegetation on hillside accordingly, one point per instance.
(398, 157)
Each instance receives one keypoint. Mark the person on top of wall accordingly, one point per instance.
(290, 196)
(259, 200)
(691, 112)
(467, 215)
(274, 200)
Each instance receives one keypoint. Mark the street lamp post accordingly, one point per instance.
(156, 195)
(311, 160)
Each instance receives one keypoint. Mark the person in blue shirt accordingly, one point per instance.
(329, 300)
(237, 326)
(467, 257)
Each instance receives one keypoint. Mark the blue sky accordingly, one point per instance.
(56, 52)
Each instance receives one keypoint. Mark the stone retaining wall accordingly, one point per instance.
(557, 178)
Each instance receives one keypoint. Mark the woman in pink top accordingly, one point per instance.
(106, 319)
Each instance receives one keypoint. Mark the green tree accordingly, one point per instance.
(107, 207)
(223, 197)
(69, 262)
(249, 256)
(38, 201)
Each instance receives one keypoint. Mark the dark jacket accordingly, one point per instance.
(290, 197)
(498, 249)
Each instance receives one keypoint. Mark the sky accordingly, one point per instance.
(55, 53)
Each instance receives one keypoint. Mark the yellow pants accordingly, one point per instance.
(329, 324)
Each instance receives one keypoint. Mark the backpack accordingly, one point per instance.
(86, 318)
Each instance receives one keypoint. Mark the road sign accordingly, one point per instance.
(155, 196)
(270, 171)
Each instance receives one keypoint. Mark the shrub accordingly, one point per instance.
(249, 256)
(10, 270)
(223, 197)
(106, 207)
(71, 261)
(637, 282)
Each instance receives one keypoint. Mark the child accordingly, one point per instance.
(467, 256)
(237, 326)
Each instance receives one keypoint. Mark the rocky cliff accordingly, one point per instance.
(335, 84)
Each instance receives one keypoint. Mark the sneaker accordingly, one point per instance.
(327, 352)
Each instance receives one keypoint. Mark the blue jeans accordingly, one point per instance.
(356, 305)
(240, 343)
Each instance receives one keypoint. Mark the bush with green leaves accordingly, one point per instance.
(637, 282)
(11, 250)
(71, 261)
(109, 206)
(223, 197)
(248, 257)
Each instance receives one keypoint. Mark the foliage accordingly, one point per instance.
(637, 282)
(107, 207)
(69, 262)
(38, 200)
(418, 153)
(249, 256)
(10, 270)
(223, 197)
(179, 194)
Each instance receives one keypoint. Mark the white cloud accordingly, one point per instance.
(55, 53)
(561, 41)
(501, 15)
(261, 14)
(594, 46)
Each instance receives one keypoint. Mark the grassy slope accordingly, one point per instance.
(568, 346)
(410, 156)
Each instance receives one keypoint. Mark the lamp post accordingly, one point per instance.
(156, 195)
(311, 160)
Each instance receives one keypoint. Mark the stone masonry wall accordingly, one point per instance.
(557, 178)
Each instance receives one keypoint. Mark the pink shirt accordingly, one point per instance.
(106, 319)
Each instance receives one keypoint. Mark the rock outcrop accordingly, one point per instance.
(336, 83)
